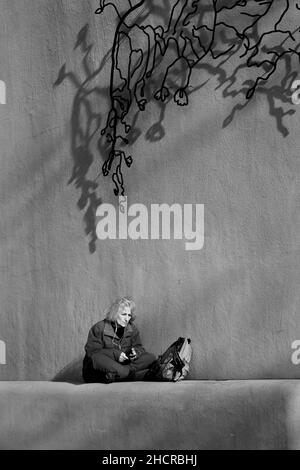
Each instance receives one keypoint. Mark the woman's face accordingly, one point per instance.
(124, 315)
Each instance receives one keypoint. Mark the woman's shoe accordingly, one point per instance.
(110, 377)
(141, 374)
(131, 376)
(149, 376)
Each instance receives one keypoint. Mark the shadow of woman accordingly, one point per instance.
(71, 373)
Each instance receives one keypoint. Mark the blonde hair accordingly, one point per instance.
(113, 310)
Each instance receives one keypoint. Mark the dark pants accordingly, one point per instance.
(94, 370)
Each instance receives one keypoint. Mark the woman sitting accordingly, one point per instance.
(114, 351)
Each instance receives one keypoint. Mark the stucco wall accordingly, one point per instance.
(237, 297)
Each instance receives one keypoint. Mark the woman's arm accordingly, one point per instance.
(95, 344)
(136, 342)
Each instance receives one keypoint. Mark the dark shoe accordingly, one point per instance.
(110, 377)
(131, 375)
(138, 375)
(149, 376)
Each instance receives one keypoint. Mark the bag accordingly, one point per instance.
(174, 364)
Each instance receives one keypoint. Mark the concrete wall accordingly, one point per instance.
(237, 298)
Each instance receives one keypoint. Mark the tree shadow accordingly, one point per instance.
(157, 45)
(88, 143)
(86, 121)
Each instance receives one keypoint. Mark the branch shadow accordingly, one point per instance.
(86, 123)
(88, 143)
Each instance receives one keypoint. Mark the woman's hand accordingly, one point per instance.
(123, 357)
(132, 354)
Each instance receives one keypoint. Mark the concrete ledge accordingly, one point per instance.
(254, 414)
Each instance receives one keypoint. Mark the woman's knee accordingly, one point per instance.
(146, 359)
(103, 363)
(151, 358)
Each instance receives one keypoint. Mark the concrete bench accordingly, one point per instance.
(192, 414)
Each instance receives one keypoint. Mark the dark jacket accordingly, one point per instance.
(102, 337)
